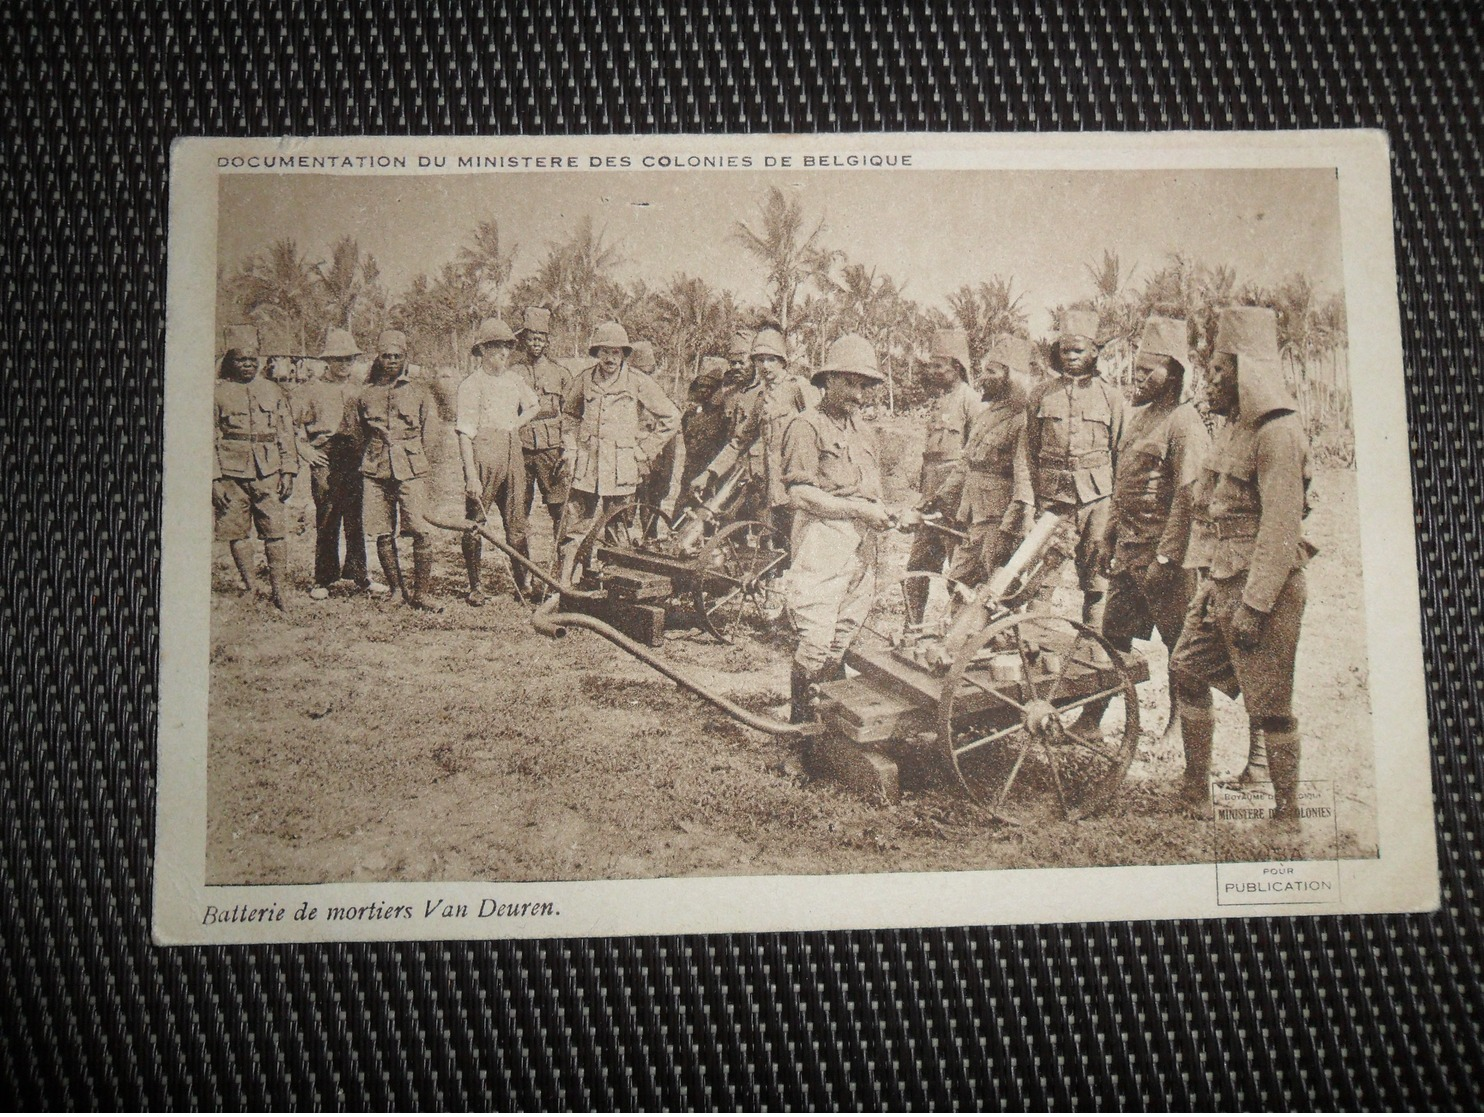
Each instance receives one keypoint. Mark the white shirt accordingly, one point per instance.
(493, 403)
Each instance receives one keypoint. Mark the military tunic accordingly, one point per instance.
(1248, 535)
(254, 444)
(541, 440)
(943, 449)
(983, 488)
(833, 580)
(1073, 428)
(760, 435)
(393, 419)
(324, 411)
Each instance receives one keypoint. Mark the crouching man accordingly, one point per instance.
(834, 485)
(1242, 631)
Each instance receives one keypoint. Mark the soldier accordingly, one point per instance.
(779, 398)
(604, 449)
(328, 442)
(989, 490)
(541, 439)
(660, 486)
(1163, 450)
(256, 461)
(1073, 426)
(391, 415)
(834, 483)
(703, 423)
(1242, 631)
(495, 404)
(953, 409)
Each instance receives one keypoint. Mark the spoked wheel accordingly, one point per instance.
(628, 527)
(1006, 711)
(736, 576)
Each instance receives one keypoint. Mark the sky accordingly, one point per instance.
(931, 231)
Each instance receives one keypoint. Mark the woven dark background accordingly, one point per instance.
(1239, 1013)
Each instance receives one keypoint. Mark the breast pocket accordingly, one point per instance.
(1095, 428)
(837, 472)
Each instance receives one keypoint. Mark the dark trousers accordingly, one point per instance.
(337, 487)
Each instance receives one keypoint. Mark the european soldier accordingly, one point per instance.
(541, 439)
(952, 411)
(323, 409)
(604, 447)
(391, 416)
(1242, 631)
(1073, 426)
(833, 480)
(1164, 448)
(495, 404)
(256, 461)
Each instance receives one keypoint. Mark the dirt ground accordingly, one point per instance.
(359, 741)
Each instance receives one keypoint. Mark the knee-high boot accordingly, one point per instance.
(473, 560)
(1283, 765)
(1256, 770)
(1094, 603)
(277, 552)
(1197, 728)
(800, 710)
(422, 577)
(391, 568)
(1171, 738)
(242, 556)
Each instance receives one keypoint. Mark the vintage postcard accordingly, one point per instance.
(610, 536)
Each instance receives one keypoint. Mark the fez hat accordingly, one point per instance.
(642, 358)
(1167, 337)
(536, 320)
(851, 353)
(609, 335)
(1250, 333)
(953, 344)
(339, 343)
(492, 331)
(1012, 352)
(1080, 323)
(768, 342)
(741, 345)
(391, 341)
(711, 372)
(243, 339)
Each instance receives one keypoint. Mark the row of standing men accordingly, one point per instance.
(1204, 545)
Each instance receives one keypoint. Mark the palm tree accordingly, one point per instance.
(792, 258)
(989, 312)
(341, 281)
(487, 265)
(575, 280)
(278, 288)
(695, 317)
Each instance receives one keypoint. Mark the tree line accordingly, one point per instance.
(815, 292)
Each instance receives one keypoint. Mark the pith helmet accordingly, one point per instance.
(741, 345)
(536, 320)
(241, 338)
(1012, 352)
(339, 343)
(768, 342)
(851, 353)
(391, 341)
(609, 335)
(643, 357)
(1080, 323)
(492, 331)
(1167, 337)
(953, 344)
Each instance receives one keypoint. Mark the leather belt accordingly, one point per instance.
(254, 437)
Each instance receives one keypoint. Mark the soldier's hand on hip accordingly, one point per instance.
(220, 498)
(285, 486)
(1247, 626)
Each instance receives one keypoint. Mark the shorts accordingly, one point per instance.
(1263, 676)
(390, 507)
(252, 502)
(1089, 522)
(1137, 606)
(544, 470)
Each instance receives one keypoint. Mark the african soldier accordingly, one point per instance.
(1163, 450)
(953, 409)
(660, 487)
(495, 403)
(604, 449)
(391, 416)
(256, 461)
(703, 423)
(988, 490)
(1242, 631)
(328, 442)
(1073, 426)
(780, 397)
(833, 481)
(740, 381)
(541, 439)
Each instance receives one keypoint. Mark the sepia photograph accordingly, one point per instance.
(779, 512)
